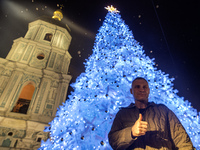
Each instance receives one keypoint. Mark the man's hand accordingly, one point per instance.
(140, 127)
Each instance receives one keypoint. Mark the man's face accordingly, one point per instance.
(140, 90)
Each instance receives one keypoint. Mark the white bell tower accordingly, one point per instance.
(33, 82)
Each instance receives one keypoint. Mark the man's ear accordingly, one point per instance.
(131, 91)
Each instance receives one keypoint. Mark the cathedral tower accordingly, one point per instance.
(33, 82)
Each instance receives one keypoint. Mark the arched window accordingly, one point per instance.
(6, 143)
(24, 99)
(48, 36)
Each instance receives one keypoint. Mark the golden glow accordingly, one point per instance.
(112, 9)
(57, 15)
(27, 92)
(24, 99)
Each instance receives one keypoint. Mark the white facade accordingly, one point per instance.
(37, 63)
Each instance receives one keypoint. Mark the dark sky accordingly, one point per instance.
(169, 30)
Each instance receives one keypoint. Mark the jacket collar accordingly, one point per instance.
(132, 105)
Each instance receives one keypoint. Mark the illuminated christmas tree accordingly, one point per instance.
(84, 120)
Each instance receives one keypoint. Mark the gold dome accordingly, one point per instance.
(57, 15)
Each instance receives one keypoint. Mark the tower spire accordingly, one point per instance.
(58, 15)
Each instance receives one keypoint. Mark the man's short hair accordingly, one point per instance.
(139, 78)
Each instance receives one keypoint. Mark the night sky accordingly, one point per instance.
(168, 30)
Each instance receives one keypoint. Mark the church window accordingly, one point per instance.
(39, 139)
(40, 56)
(10, 134)
(24, 99)
(6, 143)
(48, 37)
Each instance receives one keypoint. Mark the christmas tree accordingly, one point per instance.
(84, 120)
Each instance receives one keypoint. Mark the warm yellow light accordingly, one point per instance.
(112, 9)
(57, 15)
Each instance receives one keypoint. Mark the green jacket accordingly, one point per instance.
(164, 132)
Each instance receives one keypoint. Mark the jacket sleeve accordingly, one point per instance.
(119, 137)
(178, 134)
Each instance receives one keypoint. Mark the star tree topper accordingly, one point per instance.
(112, 9)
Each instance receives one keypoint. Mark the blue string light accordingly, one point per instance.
(84, 120)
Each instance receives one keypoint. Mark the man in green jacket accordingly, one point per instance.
(146, 125)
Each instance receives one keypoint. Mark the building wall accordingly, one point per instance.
(42, 60)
